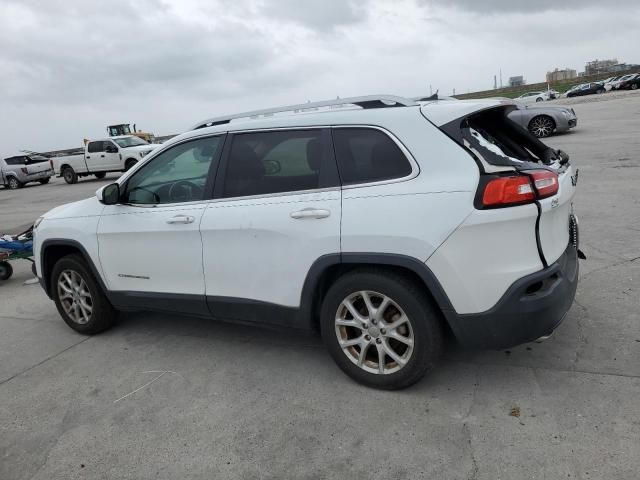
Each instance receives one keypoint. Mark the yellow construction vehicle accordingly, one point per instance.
(125, 129)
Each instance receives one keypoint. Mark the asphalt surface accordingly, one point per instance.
(162, 396)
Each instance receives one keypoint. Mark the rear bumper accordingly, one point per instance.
(532, 308)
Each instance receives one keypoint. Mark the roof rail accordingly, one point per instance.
(370, 101)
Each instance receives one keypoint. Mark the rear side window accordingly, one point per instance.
(275, 162)
(95, 147)
(368, 155)
(15, 161)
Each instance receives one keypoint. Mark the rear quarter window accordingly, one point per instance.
(367, 155)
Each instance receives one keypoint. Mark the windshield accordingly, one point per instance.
(129, 142)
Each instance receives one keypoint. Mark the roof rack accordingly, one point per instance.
(366, 102)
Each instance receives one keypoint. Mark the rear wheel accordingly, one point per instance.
(69, 175)
(600, 90)
(539, 99)
(14, 183)
(100, 175)
(542, 126)
(380, 329)
(79, 299)
(6, 270)
(44, 181)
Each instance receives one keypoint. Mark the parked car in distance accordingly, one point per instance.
(292, 219)
(20, 169)
(586, 89)
(544, 120)
(608, 82)
(114, 154)
(631, 83)
(533, 97)
(617, 84)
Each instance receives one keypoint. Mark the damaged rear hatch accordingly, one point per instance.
(516, 168)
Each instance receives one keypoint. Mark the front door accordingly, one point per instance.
(150, 246)
(112, 155)
(96, 157)
(277, 210)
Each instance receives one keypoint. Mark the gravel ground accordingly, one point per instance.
(162, 396)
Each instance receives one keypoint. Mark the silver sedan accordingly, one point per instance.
(544, 120)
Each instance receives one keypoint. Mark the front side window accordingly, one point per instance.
(272, 162)
(95, 147)
(368, 155)
(176, 175)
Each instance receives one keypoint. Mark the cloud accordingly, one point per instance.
(68, 68)
(492, 7)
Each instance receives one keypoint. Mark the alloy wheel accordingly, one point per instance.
(374, 332)
(541, 127)
(75, 296)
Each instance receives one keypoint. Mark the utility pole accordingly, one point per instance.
(500, 77)
(495, 82)
(430, 90)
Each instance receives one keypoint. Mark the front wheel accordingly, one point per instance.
(381, 329)
(79, 299)
(70, 176)
(6, 270)
(44, 181)
(601, 91)
(634, 86)
(539, 100)
(542, 126)
(129, 164)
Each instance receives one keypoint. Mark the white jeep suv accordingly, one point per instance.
(383, 223)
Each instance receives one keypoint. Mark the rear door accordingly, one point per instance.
(276, 211)
(555, 214)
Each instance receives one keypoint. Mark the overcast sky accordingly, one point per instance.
(68, 68)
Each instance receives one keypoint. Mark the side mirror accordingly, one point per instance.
(109, 194)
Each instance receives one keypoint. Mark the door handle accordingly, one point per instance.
(310, 213)
(181, 219)
(102, 156)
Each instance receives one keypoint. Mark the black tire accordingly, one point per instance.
(6, 270)
(539, 100)
(44, 181)
(100, 175)
(425, 324)
(128, 165)
(542, 126)
(102, 315)
(634, 86)
(69, 175)
(14, 183)
(600, 91)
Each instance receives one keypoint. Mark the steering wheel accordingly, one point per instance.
(184, 191)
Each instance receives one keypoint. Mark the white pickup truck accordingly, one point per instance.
(114, 154)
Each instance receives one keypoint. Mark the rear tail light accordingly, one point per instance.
(545, 182)
(519, 189)
(24, 170)
(512, 190)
